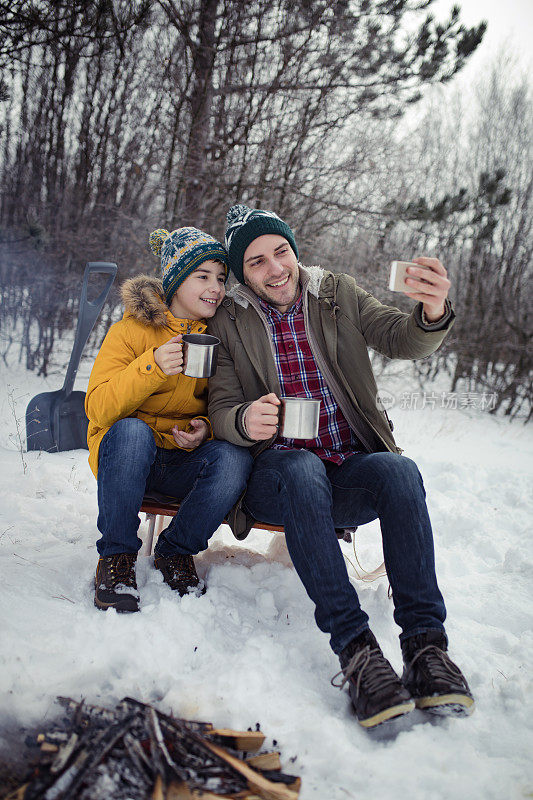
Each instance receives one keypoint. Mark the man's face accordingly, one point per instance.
(270, 269)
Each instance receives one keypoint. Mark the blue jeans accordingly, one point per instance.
(311, 498)
(207, 480)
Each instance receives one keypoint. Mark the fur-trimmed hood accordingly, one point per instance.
(143, 299)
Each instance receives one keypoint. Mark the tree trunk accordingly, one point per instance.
(188, 203)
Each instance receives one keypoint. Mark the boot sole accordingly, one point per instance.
(456, 704)
(387, 713)
(104, 607)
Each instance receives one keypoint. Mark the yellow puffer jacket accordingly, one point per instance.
(125, 380)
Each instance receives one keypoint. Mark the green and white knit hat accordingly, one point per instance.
(181, 252)
(246, 224)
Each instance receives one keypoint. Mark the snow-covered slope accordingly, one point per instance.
(249, 651)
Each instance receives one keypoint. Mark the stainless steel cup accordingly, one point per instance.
(299, 417)
(199, 355)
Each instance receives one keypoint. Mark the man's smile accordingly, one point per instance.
(280, 283)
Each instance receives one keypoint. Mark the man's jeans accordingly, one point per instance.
(311, 498)
(207, 480)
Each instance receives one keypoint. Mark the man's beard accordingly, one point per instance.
(273, 301)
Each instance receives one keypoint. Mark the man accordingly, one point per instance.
(287, 330)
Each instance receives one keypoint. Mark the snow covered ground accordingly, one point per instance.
(249, 651)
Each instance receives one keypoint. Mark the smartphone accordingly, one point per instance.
(398, 275)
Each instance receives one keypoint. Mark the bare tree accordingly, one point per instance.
(123, 116)
(473, 157)
(272, 81)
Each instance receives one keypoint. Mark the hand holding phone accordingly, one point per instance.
(431, 290)
(398, 274)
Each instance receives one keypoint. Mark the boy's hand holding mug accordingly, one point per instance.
(169, 356)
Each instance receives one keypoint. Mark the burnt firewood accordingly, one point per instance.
(160, 743)
(65, 752)
(255, 780)
(193, 725)
(73, 779)
(135, 751)
(138, 756)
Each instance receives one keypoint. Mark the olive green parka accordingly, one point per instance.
(342, 321)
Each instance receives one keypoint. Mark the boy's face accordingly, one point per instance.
(270, 269)
(201, 293)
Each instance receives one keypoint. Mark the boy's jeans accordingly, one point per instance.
(207, 480)
(311, 498)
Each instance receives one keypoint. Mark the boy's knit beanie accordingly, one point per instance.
(246, 224)
(181, 252)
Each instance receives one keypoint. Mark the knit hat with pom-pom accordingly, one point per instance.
(246, 224)
(181, 252)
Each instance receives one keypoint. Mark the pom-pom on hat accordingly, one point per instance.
(181, 252)
(246, 224)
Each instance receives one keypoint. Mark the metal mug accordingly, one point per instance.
(299, 417)
(199, 355)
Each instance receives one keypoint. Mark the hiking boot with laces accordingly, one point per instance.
(435, 682)
(179, 573)
(376, 692)
(115, 584)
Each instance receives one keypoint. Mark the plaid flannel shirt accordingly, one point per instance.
(299, 376)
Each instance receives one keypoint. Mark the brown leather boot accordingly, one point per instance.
(376, 692)
(179, 573)
(115, 584)
(435, 682)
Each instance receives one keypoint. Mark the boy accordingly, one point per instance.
(148, 428)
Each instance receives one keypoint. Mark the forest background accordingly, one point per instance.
(119, 117)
